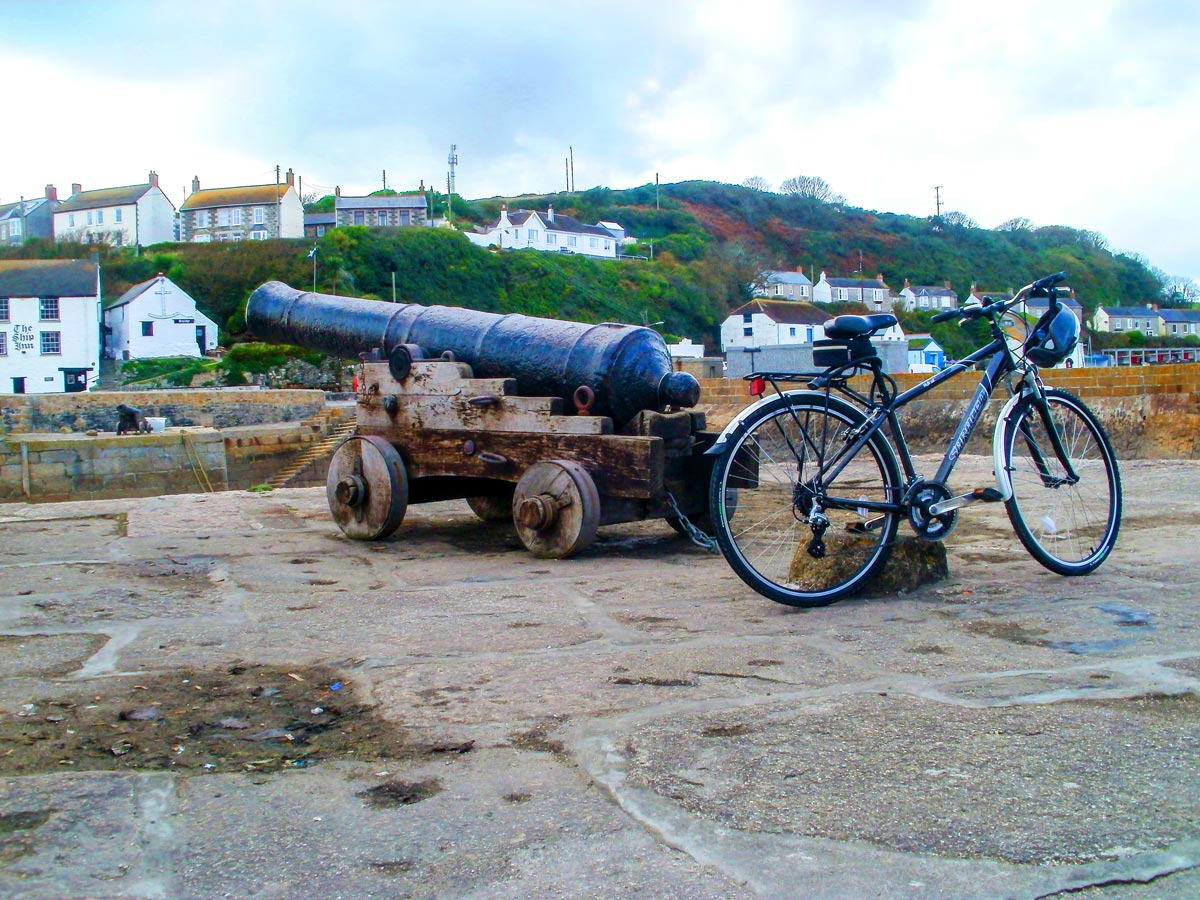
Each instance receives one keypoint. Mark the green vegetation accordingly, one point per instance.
(705, 244)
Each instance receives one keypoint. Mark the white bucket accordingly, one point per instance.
(158, 424)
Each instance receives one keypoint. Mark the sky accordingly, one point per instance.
(1065, 112)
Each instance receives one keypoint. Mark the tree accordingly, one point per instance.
(757, 183)
(959, 220)
(812, 187)
(1019, 223)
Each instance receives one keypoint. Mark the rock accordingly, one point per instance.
(912, 563)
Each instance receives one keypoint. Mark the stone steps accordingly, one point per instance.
(321, 450)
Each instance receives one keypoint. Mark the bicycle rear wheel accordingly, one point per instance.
(768, 483)
(1070, 528)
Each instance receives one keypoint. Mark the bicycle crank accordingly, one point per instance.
(928, 520)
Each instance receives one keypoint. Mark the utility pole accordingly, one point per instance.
(572, 169)
(937, 194)
(278, 205)
(656, 192)
(567, 172)
(385, 179)
(452, 162)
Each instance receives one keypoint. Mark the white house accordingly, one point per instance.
(254, 212)
(154, 319)
(549, 232)
(1179, 322)
(784, 286)
(49, 325)
(685, 349)
(1120, 319)
(138, 214)
(766, 323)
(872, 293)
(927, 296)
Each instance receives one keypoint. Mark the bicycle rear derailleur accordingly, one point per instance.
(921, 496)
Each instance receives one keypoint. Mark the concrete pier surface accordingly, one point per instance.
(220, 695)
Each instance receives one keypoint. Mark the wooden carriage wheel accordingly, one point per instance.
(367, 487)
(556, 509)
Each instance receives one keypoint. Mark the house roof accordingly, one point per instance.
(48, 278)
(931, 290)
(13, 210)
(561, 222)
(104, 197)
(1044, 302)
(236, 196)
(1131, 312)
(1179, 315)
(854, 282)
(787, 278)
(787, 312)
(133, 293)
(402, 201)
(320, 218)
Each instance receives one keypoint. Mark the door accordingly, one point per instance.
(202, 338)
(74, 380)
(18, 385)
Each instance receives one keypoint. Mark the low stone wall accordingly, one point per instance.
(97, 410)
(253, 454)
(1149, 412)
(49, 468)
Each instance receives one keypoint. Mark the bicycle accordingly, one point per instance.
(808, 491)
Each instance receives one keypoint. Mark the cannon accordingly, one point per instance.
(611, 369)
(559, 426)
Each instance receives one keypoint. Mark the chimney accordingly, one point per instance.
(337, 191)
(51, 193)
(291, 178)
(76, 188)
(153, 178)
(550, 213)
(947, 284)
(906, 285)
(195, 184)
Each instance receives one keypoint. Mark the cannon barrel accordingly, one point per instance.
(626, 367)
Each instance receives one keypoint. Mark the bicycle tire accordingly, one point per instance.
(1068, 528)
(757, 498)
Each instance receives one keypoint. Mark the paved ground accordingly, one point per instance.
(630, 723)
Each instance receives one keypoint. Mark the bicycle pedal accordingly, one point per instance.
(987, 495)
(867, 526)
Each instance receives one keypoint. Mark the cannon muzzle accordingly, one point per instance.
(626, 368)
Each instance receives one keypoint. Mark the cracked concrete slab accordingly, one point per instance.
(633, 722)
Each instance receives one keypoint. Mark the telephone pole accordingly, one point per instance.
(937, 195)
(452, 162)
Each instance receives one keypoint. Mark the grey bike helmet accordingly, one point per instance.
(1053, 338)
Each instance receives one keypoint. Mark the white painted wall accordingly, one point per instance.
(156, 218)
(173, 317)
(79, 328)
(766, 332)
(291, 215)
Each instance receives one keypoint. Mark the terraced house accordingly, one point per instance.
(136, 214)
(253, 212)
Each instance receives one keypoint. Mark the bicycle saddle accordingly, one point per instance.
(843, 327)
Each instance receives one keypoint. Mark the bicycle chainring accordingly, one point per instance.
(928, 526)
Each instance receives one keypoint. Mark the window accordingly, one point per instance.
(259, 215)
(223, 218)
(551, 237)
(3, 309)
(747, 317)
(202, 219)
(99, 217)
(117, 214)
(320, 231)
(571, 240)
(748, 331)
(70, 220)
(89, 217)
(48, 309)
(51, 343)
(608, 245)
(147, 329)
(14, 228)
(258, 235)
(792, 332)
(381, 217)
(593, 242)
(3, 343)
(237, 216)
(359, 217)
(533, 235)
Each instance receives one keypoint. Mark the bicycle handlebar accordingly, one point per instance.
(1040, 288)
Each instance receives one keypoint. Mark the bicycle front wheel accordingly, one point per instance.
(780, 473)
(1069, 526)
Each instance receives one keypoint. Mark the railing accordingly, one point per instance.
(1142, 356)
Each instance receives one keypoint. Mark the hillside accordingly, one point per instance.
(706, 244)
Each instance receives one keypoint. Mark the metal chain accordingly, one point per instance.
(695, 535)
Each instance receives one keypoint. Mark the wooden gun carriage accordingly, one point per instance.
(559, 426)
